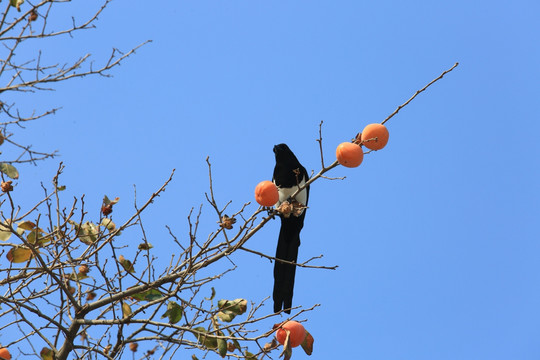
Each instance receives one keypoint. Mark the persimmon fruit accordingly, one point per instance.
(349, 154)
(266, 193)
(297, 333)
(375, 136)
(4, 354)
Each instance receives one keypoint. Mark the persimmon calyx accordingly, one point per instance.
(227, 222)
(293, 207)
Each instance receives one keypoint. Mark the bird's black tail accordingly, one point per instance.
(287, 249)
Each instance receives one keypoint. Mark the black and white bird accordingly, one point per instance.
(289, 174)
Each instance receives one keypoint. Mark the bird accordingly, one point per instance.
(289, 174)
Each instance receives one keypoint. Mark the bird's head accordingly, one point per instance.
(283, 153)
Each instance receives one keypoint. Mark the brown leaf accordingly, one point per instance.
(46, 354)
(19, 255)
(126, 310)
(33, 16)
(126, 264)
(26, 225)
(107, 207)
(307, 344)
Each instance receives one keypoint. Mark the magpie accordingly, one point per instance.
(289, 174)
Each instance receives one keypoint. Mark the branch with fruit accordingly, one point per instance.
(66, 273)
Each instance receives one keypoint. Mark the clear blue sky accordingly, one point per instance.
(436, 236)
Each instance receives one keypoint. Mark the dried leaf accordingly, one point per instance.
(211, 296)
(107, 207)
(88, 232)
(77, 276)
(271, 345)
(145, 246)
(43, 240)
(235, 342)
(307, 344)
(287, 349)
(250, 356)
(90, 296)
(222, 347)
(108, 224)
(26, 225)
(46, 354)
(207, 340)
(237, 306)
(9, 169)
(148, 295)
(174, 312)
(4, 232)
(16, 3)
(126, 264)
(19, 255)
(36, 237)
(231, 308)
(226, 316)
(126, 310)
(106, 200)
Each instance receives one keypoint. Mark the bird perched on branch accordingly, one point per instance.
(289, 175)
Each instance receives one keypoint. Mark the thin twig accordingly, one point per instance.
(418, 92)
(304, 264)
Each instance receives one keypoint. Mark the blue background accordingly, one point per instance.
(436, 236)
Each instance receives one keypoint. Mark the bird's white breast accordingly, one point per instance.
(285, 193)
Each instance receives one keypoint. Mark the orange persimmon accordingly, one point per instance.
(349, 154)
(296, 330)
(266, 193)
(4, 354)
(375, 136)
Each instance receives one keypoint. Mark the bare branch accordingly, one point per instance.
(67, 276)
(418, 92)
